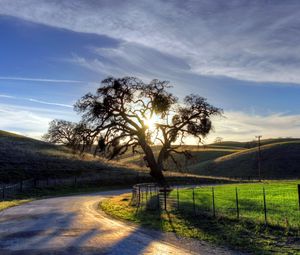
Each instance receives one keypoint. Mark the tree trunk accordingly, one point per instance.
(155, 168)
(157, 174)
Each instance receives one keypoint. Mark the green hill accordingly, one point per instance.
(22, 158)
(280, 160)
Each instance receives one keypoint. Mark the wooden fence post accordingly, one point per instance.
(299, 195)
(165, 198)
(158, 202)
(265, 205)
(3, 192)
(177, 199)
(21, 185)
(194, 207)
(237, 203)
(146, 193)
(139, 196)
(213, 202)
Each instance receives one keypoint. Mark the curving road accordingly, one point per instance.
(73, 225)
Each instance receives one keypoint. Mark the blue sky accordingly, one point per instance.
(244, 56)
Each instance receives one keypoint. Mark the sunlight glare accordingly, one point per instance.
(151, 122)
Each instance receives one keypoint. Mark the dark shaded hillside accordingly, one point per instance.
(279, 161)
(22, 157)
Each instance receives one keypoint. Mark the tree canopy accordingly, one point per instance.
(127, 113)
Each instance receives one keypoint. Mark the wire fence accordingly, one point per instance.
(277, 205)
(8, 191)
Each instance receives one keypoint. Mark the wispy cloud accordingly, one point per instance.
(248, 40)
(7, 96)
(35, 101)
(7, 78)
(48, 103)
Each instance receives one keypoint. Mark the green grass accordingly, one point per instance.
(11, 203)
(281, 202)
(249, 233)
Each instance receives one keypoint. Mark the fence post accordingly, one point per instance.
(146, 193)
(265, 205)
(194, 208)
(139, 196)
(3, 192)
(21, 185)
(177, 199)
(158, 201)
(299, 195)
(165, 198)
(237, 203)
(213, 201)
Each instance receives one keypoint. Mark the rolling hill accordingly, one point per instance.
(23, 157)
(279, 160)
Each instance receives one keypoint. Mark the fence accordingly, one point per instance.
(271, 204)
(11, 190)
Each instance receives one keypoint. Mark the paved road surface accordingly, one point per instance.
(72, 225)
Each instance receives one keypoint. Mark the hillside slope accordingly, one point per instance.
(279, 160)
(22, 157)
(203, 157)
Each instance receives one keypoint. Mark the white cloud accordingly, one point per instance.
(8, 78)
(249, 40)
(35, 101)
(241, 126)
(48, 103)
(236, 126)
(30, 121)
(23, 122)
(7, 96)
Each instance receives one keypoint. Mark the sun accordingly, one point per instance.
(151, 122)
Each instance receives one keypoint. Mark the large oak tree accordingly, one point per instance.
(122, 114)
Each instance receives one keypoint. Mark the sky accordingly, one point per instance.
(243, 56)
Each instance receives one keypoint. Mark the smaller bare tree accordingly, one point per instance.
(219, 139)
(61, 132)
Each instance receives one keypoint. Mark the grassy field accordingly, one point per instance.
(249, 233)
(282, 204)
